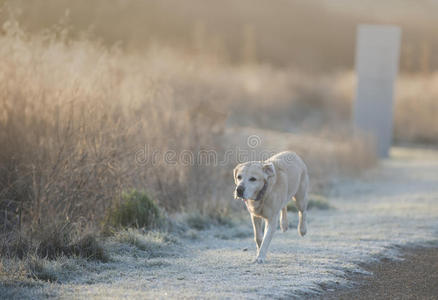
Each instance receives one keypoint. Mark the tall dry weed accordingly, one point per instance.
(73, 116)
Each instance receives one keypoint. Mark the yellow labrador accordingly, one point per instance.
(267, 187)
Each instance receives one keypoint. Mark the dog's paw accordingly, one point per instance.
(259, 260)
(283, 227)
(302, 229)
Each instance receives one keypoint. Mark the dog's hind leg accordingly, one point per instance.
(284, 224)
(302, 220)
(301, 204)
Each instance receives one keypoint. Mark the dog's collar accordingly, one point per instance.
(262, 192)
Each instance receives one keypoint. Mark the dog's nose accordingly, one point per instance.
(240, 191)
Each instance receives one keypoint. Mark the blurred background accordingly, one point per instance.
(311, 37)
(85, 85)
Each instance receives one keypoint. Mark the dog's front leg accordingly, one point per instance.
(258, 234)
(271, 226)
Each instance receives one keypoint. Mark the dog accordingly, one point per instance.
(266, 187)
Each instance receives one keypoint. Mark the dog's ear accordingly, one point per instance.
(269, 169)
(235, 171)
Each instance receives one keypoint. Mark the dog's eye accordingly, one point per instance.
(239, 177)
(252, 179)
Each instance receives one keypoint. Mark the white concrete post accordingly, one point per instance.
(377, 57)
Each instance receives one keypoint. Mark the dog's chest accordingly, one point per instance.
(255, 208)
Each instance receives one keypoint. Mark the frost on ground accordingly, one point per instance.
(394, 204)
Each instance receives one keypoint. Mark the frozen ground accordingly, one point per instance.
(394, 204)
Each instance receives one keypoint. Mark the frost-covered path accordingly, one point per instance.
(394, 204)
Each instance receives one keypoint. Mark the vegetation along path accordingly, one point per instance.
(396, 204)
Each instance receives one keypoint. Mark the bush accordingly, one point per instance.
(155, 243)
(38, 269)
(53, 241)
(198, 221)
(14, 245)
(89, 247)
(65, 239)
(136, 210)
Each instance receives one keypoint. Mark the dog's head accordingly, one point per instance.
(252, 178)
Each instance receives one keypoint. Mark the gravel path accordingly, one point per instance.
(394, 204)
(413, 277)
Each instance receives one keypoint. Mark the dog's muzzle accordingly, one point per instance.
(239, 191)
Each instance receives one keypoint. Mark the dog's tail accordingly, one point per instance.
(302, 227)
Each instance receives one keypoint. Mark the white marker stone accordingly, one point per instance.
(377, 57)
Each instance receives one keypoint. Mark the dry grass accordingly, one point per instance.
(415, 105)
(73, 116)
(416, 109)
